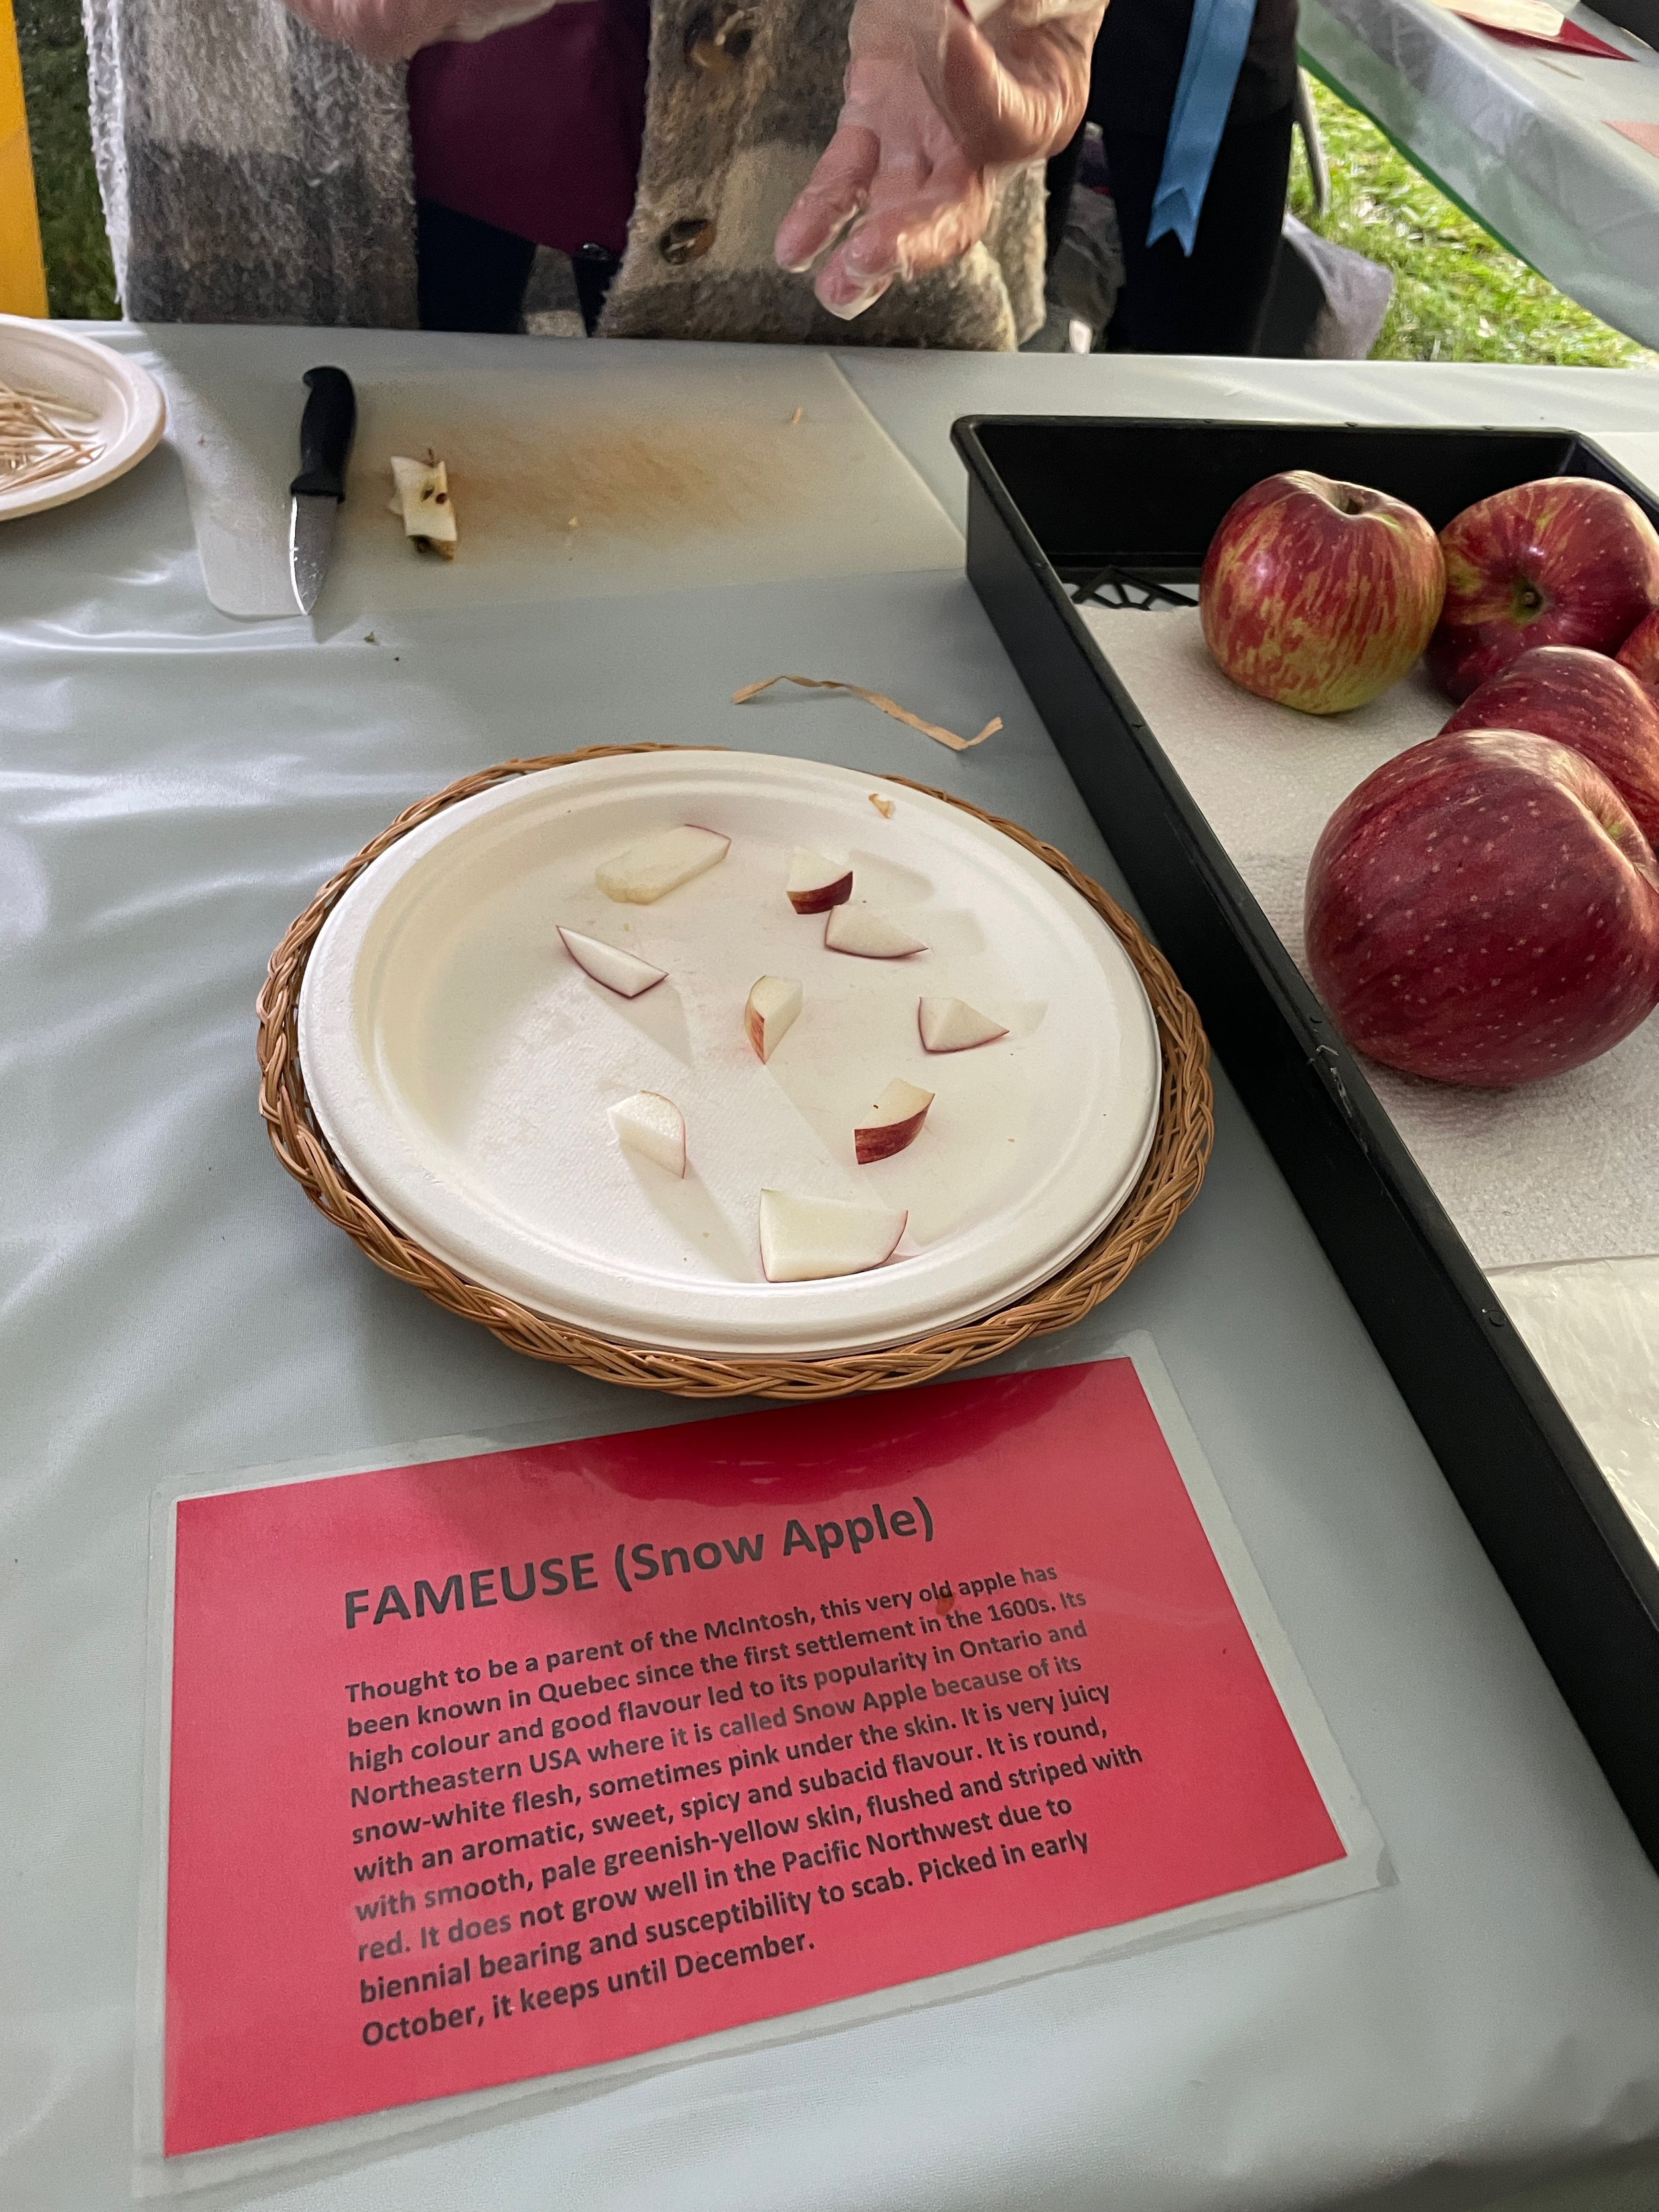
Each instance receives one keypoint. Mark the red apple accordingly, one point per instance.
(1319, 595)
(1583, 700)
(1565, 561)
(1484, 910)
(1640, 651)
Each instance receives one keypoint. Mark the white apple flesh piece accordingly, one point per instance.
(646, 873)
(410, 480)
(894, 1122)
(871, 936)
(773, 1005)
(805, 1240)
(653, 1126)
(619, 971)
(815, 884)
(952, 1025)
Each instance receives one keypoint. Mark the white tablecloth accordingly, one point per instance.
(173, 787)
(1520, 135)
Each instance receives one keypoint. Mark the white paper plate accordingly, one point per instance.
(461, 1064)
(115, 400)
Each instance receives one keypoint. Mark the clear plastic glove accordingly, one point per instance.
(937, 109)
(392, 30)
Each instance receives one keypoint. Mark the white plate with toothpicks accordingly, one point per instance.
(74, 415)
(547, 1067)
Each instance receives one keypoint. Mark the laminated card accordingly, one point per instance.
(496, 1768)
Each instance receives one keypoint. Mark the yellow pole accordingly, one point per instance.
(22, 271)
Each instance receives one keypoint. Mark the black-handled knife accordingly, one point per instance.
(326, 429)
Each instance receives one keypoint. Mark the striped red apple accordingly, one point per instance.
(1319, 595)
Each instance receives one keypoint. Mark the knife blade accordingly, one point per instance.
(326, 429)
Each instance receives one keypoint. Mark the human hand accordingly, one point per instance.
(937, 109)
(392, 30)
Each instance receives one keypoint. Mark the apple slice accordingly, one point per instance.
(803, 1240)
(644, 873)
(952, 1025)
(773, 1003)
(871, 936)
(619, 971)
(896, 1122)
(815, 884)
(653, 1126)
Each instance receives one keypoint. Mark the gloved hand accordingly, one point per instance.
(392, 30)
(937, 109)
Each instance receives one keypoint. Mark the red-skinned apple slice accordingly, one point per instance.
(952, 1025)
(619, 971)
(806, 1240)
(653, 1126)
(894, 1121)
(648, 872)
(868, 935)
(815, 884)
(773, 1003)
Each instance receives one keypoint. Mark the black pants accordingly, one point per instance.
(1213, 300)
(473, 275)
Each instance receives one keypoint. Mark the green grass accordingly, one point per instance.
(1459, 295)
(80, 279)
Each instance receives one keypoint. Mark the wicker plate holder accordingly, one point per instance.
(1168, 1184)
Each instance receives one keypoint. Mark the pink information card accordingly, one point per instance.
(557, 1756)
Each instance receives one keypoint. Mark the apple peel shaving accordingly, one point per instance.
(934, 730)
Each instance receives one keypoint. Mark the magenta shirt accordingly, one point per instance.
(538, 129)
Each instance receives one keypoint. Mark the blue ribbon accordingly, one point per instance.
(1221, 32)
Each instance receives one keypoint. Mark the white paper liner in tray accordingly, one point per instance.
(1554, 1187)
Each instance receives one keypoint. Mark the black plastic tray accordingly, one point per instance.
(1641, 16)
(1057, 499)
